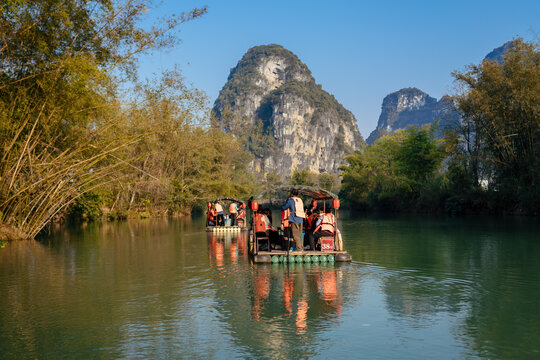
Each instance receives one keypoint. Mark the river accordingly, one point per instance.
(417, 288)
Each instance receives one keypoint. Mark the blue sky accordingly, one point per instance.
(359, 51)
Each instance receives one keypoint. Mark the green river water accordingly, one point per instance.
(417, 288)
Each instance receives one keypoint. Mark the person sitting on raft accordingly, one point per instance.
(241, 217)
(325, 226)
(264, 228)
(211, 216)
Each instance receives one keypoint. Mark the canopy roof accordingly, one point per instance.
(281, 192)
(227, 199)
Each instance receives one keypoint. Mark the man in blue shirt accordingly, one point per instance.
(296, 217)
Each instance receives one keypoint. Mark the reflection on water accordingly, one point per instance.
(268, 305)
(417, 288)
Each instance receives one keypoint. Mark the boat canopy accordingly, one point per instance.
(227, 199)
(281, 193)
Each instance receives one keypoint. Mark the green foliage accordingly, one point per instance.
(273, 180)
(87, 207)
(303, 177)
(500, 131)
(492, 157)
(330, 182)
(391, 174)
(418, 155)
(62, 129)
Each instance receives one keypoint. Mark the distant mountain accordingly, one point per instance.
(498, 53)
(411, 106)
(272, 102)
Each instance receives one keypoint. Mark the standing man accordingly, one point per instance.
(296, 217)
(219, 211)
(233, 211)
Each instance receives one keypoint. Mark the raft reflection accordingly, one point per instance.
(226, 246)
(302, 295)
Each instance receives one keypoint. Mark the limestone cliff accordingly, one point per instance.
(271, 101)
(411, 106)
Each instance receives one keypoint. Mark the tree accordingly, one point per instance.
(500, 105)
(418, 155)
(392, 173)
(59, 104)
(303, 177)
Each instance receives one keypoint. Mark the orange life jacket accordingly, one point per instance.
(232, 208)
(285, 217)
(258, 222)
(211, 215)
(328, 223)
(298, 207)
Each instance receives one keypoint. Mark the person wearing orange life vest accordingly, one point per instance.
(241, 217)
(285, 226)
(325, 226)
(263, 227)
(219, 212)
(211, 217)
(233, 211)
(296, 217)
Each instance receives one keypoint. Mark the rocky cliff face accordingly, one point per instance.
(498, 53)
(272, 102)
(411, 106)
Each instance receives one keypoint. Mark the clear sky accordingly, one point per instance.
(359, 51)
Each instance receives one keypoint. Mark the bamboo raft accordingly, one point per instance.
(226, 228)
(331, 246)
(280, 256)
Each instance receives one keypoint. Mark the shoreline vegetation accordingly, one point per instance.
(81, 133)
(84, 139)
(487, 163)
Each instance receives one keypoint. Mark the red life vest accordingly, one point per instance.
(285, 218)
(211, 215)
(308, 222)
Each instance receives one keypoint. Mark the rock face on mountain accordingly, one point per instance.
(498, 53)
(272, 103)
(411, 106)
